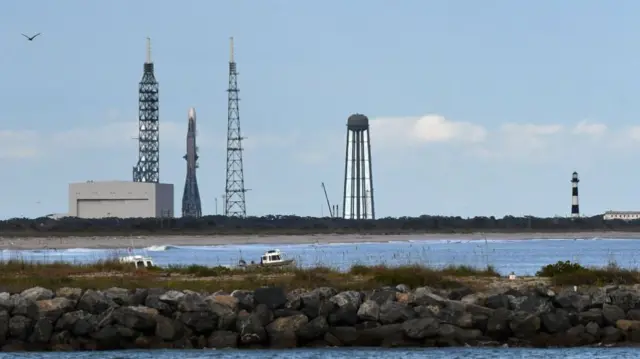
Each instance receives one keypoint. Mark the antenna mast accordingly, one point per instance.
(234, 187)
(147, 168)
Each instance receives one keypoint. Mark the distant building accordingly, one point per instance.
(121, 199)
(623, 215)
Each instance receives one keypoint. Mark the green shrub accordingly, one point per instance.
(559, 268)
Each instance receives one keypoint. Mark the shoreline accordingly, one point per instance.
(144, 241)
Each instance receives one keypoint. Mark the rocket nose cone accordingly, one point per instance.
(192, 113)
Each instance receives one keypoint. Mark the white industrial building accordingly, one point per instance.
(121, 199)
(623, 215)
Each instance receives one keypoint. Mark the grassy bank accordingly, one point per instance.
(17, 275)
(568, 273)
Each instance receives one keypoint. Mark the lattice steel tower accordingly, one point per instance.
(191, 206)
(234, 201)
(357, 200)
(148, 167)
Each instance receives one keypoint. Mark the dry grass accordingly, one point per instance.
(17, 275)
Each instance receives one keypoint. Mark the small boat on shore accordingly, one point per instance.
(271, 258)
(137, 260)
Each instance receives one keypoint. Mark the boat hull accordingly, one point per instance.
(284, 263)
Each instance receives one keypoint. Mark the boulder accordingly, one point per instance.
(572, 300)
(633, 314)
(459, 293)
(294, 299)
(282, 331)
(530, 304)
(346, 336)
(69, 293)
(394, 312)
(227, 301)
(221, 339)
(250, 328)
(498, 324)
(322, 293)
(421, 328)
(424, 296)
(591, 315)
(141, 319)
(524, 325)
(168, 329)
(344, 315)
(137, 297)
(226, 316)
(314, 306)
(370, 310)
(314, 329)
(246, 299)
(381, 296)
(4, 325)
(153, 301)
(6, 302)
(192, 303)
(611, 314)
(52, 309)
(592, 328)
(37, 293)
(78, 322)
(376, 336)
(611, 335)
(25, 307)
(628, 325)
(272, 297)
(497, 301)
(349, 298)
(42, 330)
(624, 299)
(172, 297)
(200, 322)
(95, 302)
(20, 327)
(555, 322)
(119, 296)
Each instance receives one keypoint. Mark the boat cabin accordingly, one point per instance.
(138, 261)
(271, 256)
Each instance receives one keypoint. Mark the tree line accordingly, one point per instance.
(288, 224)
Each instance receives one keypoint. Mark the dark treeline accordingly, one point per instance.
(281, 224)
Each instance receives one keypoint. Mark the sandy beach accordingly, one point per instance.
(115, 242)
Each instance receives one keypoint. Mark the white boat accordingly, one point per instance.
(137, 260)
(270, 258)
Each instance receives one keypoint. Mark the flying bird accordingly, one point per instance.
(32, 37)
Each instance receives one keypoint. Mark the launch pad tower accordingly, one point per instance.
(148, 167)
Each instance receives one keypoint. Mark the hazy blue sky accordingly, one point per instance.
(477, 107)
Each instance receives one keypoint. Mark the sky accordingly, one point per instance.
(477, 108)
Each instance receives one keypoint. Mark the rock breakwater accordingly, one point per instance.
(76, 319)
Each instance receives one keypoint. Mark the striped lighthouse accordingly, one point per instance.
(575, 208)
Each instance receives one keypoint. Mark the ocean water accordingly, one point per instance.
(352, 353)
(524, 257)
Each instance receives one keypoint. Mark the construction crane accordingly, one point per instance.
(327, 197)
